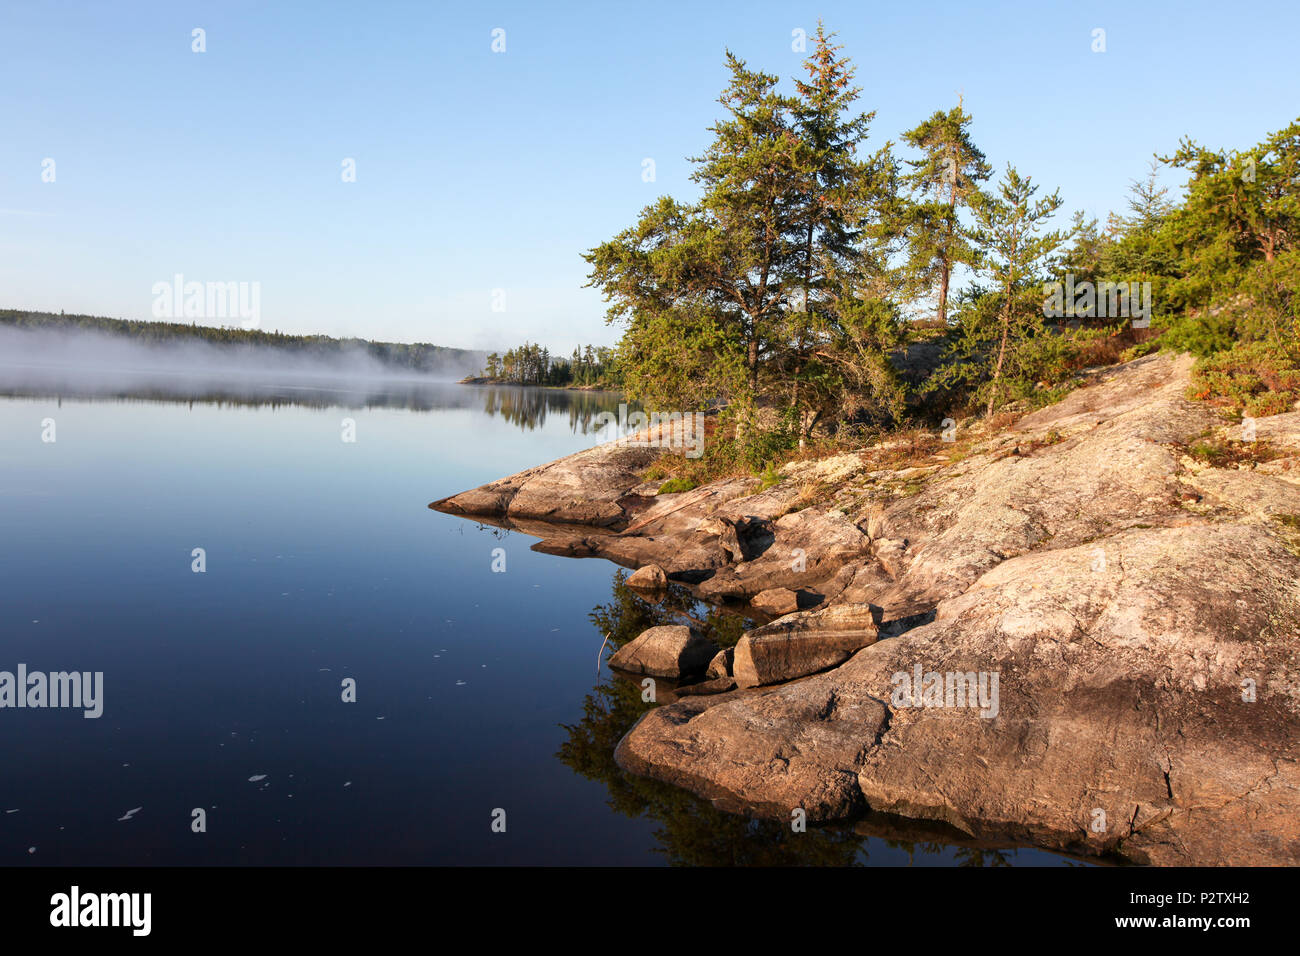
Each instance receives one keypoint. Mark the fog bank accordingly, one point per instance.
(48, 361)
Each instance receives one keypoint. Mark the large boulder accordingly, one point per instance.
(671, 650)
(804, 643)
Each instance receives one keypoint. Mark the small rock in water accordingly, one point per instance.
(669, 650)
(649, 578)
(256, 777)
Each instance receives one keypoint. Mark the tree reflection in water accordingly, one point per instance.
(528, 407)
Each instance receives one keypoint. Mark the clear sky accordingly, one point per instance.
(478, 171)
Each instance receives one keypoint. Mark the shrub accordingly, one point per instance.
(673, 485)
(770, 477)
(1259, 378)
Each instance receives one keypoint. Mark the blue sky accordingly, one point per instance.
(478, 171)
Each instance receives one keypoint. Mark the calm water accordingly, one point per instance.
(475, 690)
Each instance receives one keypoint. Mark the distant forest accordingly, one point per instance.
(414, 357)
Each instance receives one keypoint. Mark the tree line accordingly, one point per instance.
(415, 357)
(787, 290)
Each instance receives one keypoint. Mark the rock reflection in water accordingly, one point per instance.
(691, 831)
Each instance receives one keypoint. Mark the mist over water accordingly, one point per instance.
(89, 363)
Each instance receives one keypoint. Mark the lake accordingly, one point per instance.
(476, 690)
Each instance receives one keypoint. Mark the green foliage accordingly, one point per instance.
(1240, 208)
(752, 296)
(770, 477)
(750, 449)
(1000, 347)
(673, 485)
(943, 181)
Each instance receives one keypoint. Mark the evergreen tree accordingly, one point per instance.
(944, 181)
(842, 220)
(1014, 251)
(1239, 208)
(702, 289)
(1000, 343)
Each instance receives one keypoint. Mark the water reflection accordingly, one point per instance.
(529, 407)
(526, 407)
(690, 831)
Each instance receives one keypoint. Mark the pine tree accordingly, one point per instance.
(1240, 208)
(843, 197)
(702, 288)
(1014, 251)
(944, 181)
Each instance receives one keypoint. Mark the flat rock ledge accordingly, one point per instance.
(1072, 634)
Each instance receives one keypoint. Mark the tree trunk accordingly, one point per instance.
(1002, 353)
(1002, 349)
(945, 267)
(751, 363)
(799, 350)
(943, 292)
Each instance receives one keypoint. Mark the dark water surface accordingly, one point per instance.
(475, 690)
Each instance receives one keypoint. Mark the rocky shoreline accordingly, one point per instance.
(1074, 631)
